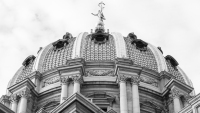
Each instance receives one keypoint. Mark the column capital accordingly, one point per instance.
(175, 93)
(25, 93)
(77, 78)
(14, 98)
(64, 80)
(5, 98)
(122, 78)
(135, 80)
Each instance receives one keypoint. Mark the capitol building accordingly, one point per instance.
(100, 72)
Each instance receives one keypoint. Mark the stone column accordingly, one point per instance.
(77, 83)
(135, 94)
(23, 100)
(14, 101)
(5, 100)
(175, 94)
(123, 95)
(64, 88)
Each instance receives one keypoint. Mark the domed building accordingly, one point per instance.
(98, 72)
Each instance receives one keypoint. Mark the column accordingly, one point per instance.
(23, 100)
(14, 101)
(176, 100)
(5, 100)
(64, 88)
(135, 94)
(77, 81)
(123, 95)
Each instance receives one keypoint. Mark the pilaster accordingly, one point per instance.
(14, 102)
(77, 83)
(135, 94)
(64, 88)
(175, 94)
(24, 94)
(123, 94)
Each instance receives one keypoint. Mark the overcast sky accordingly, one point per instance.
(26, 25)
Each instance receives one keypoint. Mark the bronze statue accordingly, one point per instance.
(100, 13)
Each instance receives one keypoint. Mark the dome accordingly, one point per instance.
(94, 49)
(99, 72)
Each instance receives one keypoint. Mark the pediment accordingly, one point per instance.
(77, 103)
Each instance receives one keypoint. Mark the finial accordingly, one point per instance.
(100, 13)
(100, 25)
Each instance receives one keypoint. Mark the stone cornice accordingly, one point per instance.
(27, 83)
(63, 70)
(35, 74)
(175, 83)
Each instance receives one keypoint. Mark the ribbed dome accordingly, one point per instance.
(90, 48)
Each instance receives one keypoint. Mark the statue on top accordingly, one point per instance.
(100, 13)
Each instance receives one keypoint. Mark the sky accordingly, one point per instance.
(26, 25)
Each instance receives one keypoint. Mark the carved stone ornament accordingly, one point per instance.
(59, 44)
(132, 36)
(100, 73)
(135, 80)
(175, 93)
(122, 78)
(25, 93)
(51, 81)
(77, 78)
(64, 80)
(150, 81)
(140, 44)
(14, 98)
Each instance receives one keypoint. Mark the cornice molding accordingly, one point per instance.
(27, 83)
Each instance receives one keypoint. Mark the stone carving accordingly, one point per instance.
(122, 78)
(51, 81)
(25, 93)
(150, 81)
(175, 93)
(100, 73)
(132, 36)
(135, 80)
(64, 80)
(67, 36)
(59, 44)
(77, 78)
(100, 13)
(140, 44)
(14, 98)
